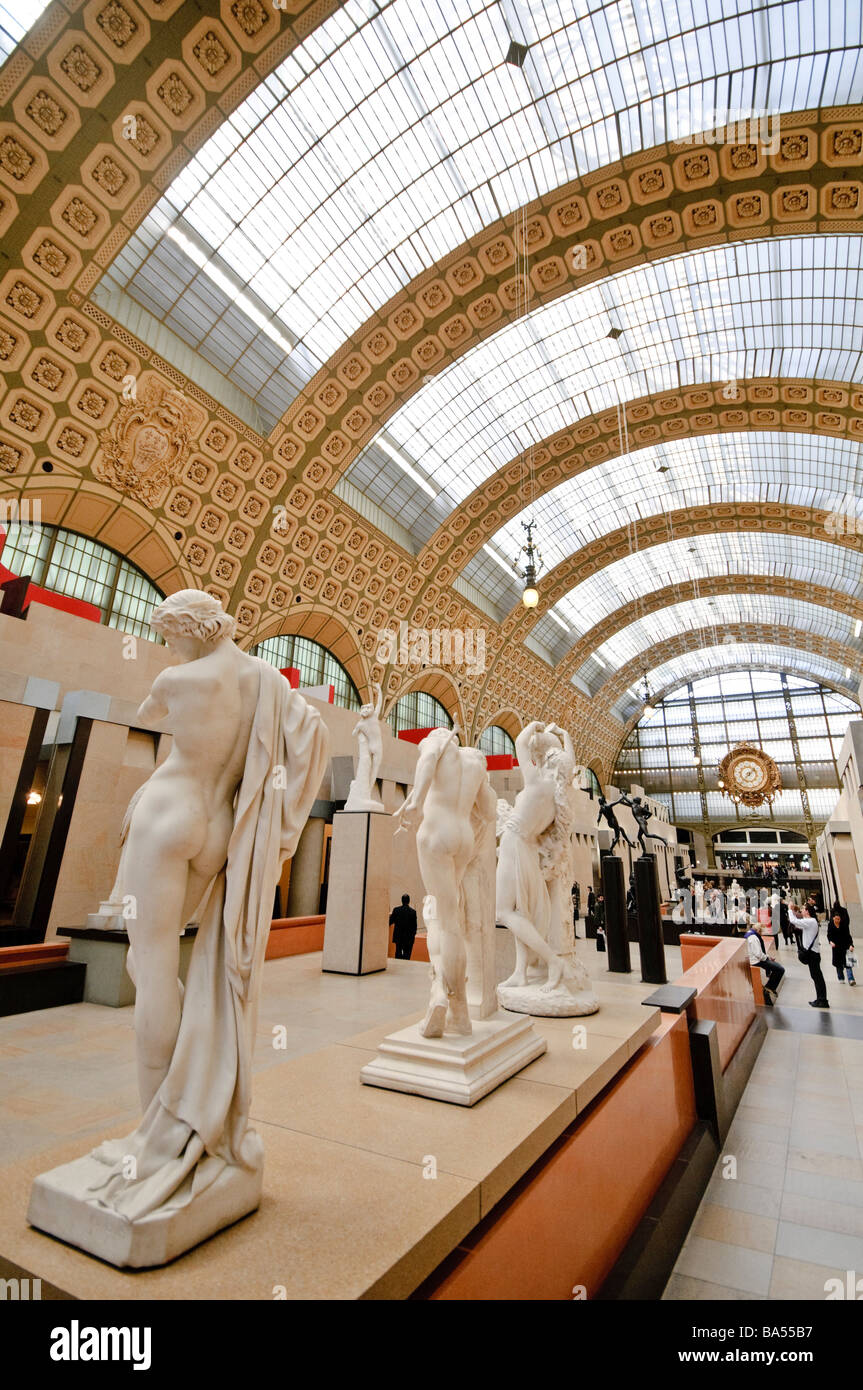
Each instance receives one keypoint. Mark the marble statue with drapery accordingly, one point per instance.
(534, 874)
(206, 834)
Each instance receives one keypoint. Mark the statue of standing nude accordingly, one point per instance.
(206, 835)
(455, 807)
(534, 874)
(367, 731)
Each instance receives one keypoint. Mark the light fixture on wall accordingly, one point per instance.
(33, 798)
(529, 572)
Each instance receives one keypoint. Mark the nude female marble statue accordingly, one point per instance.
(182, 817)
(534, 873)
(453, 804)
(367, 731)
(206, 834)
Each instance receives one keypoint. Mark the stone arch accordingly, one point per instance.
(508, 719)
(438, 683)
(320, 625)
(121, 523)
(783, 404)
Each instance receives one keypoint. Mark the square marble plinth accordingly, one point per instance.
(61, 1205)
(458, 1069)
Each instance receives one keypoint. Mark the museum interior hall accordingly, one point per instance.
(431, 651)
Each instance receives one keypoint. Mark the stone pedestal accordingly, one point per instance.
(458, 1069)
(650, 944)
(104, 954)
(616, 933)
(356, 935)
(63, 1205)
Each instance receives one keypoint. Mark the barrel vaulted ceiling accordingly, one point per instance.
(378, 266)
(708, 650)
(734, 655)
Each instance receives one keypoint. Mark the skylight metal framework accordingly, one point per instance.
(813, 561)
(781, 308)
(398, 131)
(705, 612)
(742, 656)
(789, 469)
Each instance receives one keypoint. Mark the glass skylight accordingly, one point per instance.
(788, 308)
(739, 656)
(17, 17)
(397, 131)
(813, 561)
(754, 466)
(703, 612)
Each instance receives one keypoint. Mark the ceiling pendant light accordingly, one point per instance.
(647, 698)
(530, 594)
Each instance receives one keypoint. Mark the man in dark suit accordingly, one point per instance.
(403, 920)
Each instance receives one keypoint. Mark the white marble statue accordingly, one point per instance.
(367, 732)
(453, 807)
(207, 835)
(465, 1046)
(534, 877)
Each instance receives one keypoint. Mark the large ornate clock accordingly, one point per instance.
(750, 775)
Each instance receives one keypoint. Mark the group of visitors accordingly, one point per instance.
(800, 927)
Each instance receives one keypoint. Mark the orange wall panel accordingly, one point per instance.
(726, 994)
(294, 936)
(570, 1220)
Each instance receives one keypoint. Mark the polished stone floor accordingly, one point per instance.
(786, 1215)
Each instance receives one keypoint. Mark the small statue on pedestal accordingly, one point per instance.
(534, 875)
(606, 813)
(455, 839)
(207, 833)
(367, 732)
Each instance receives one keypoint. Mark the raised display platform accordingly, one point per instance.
(366, 1191)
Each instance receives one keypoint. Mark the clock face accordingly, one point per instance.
(749, 775)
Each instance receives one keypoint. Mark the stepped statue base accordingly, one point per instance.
(458, 1068)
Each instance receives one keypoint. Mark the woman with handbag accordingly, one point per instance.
(839, 936)
(805, 925)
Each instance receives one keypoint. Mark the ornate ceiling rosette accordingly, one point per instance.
(750, 775)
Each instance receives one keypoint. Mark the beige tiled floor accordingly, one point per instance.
(69, 1071)
(792, 1217)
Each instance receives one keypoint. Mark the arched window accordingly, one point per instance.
(315, 664)
(494, 740)
(81, 568)
(418, 710)
(593, 786)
